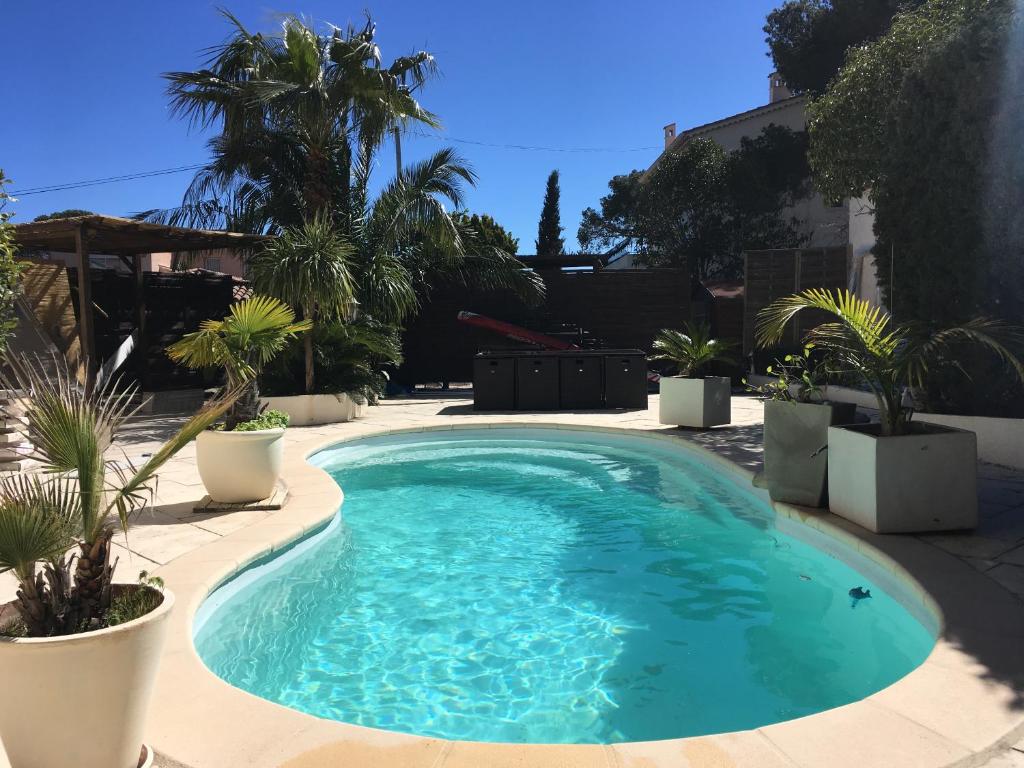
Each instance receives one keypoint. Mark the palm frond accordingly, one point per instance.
(691, 351)
(39, 520)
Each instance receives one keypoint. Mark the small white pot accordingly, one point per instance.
(697, 403)
(81, 700)
(310, 410)
(238, 467)
(924, 481)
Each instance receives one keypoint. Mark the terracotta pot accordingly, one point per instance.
(81, 700)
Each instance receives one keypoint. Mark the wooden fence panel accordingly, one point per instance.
(619, 308)
(773, 274)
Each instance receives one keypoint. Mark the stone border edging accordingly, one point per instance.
(963, 704)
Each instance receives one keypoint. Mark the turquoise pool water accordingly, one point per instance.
(554, 586)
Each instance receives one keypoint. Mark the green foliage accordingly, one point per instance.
(489, 233)
(267, 420)
(351, 357)
(704, 206)
(10, 270)
(298, 119)
(549, 230)
(808, 39)
(849, 124)
(691, 351)
(77, 495)
(889, 359)
(255, 331)
(927, 118)
(136, 601)
(65, 214)
(805, 372)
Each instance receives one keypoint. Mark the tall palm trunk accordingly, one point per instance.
(93, 578)
(307, 346)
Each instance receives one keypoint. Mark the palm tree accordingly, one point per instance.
(77, 494)
(308, 267)
(301, 116)
(691, 351)
(888, 358)
(254, 331)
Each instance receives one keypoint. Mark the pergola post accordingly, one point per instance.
(86, 326)
(140, 318)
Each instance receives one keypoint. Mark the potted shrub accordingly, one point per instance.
(78, 654)
(351, 360)
(688, 399)
(796, 423)
(897, 475)
(241, 461)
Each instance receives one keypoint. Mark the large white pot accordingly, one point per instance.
(239, 467)
(698, 403)
(81, 700)
(923, 481)
(310, 410)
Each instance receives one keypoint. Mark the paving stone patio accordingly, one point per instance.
(171, 528)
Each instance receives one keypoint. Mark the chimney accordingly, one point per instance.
(670, 134)
(777, 88)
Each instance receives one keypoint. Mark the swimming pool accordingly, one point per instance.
(556, 586)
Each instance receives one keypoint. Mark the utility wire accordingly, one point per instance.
(181, 169)
(530, 148)
(106, 180)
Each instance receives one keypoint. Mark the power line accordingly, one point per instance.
(106, 180)
(532, 148)
(181, 169)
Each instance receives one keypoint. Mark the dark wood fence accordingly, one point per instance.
(176, 303)
(617, 308)
(770, 275)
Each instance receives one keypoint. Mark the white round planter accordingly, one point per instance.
(310, 410)
(238, 467)
(81, 700)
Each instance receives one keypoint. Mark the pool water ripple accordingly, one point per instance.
(539, 586)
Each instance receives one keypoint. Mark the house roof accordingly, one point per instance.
(740, 117)
(126, 237)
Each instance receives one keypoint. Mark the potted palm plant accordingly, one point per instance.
(688, 399)
(242, 461)
(897, 475)
(75, 648)
(796, 422)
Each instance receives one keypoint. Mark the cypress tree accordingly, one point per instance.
(549, 231)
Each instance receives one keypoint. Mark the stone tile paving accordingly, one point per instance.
(171, 528)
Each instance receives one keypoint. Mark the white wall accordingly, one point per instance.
(863, 275)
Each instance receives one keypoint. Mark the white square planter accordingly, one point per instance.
(924, 481)
(698, 403)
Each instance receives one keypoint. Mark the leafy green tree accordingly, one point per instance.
(808, 39)
(848, 125)
(65, 214)
(704, 206)
(299, 118)
(549, 230)
(308, 267)
(489, 233)
(10, 270)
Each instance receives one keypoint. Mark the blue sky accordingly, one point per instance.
(83, 98)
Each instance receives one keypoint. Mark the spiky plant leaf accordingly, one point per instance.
(39, 519)
(691, 351)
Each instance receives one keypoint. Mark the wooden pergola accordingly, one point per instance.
(127, 239)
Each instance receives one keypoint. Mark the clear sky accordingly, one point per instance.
(82, 96)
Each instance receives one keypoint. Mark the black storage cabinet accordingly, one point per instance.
(494, 383)
(625, 379)
(537, 381)
(581, 377)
